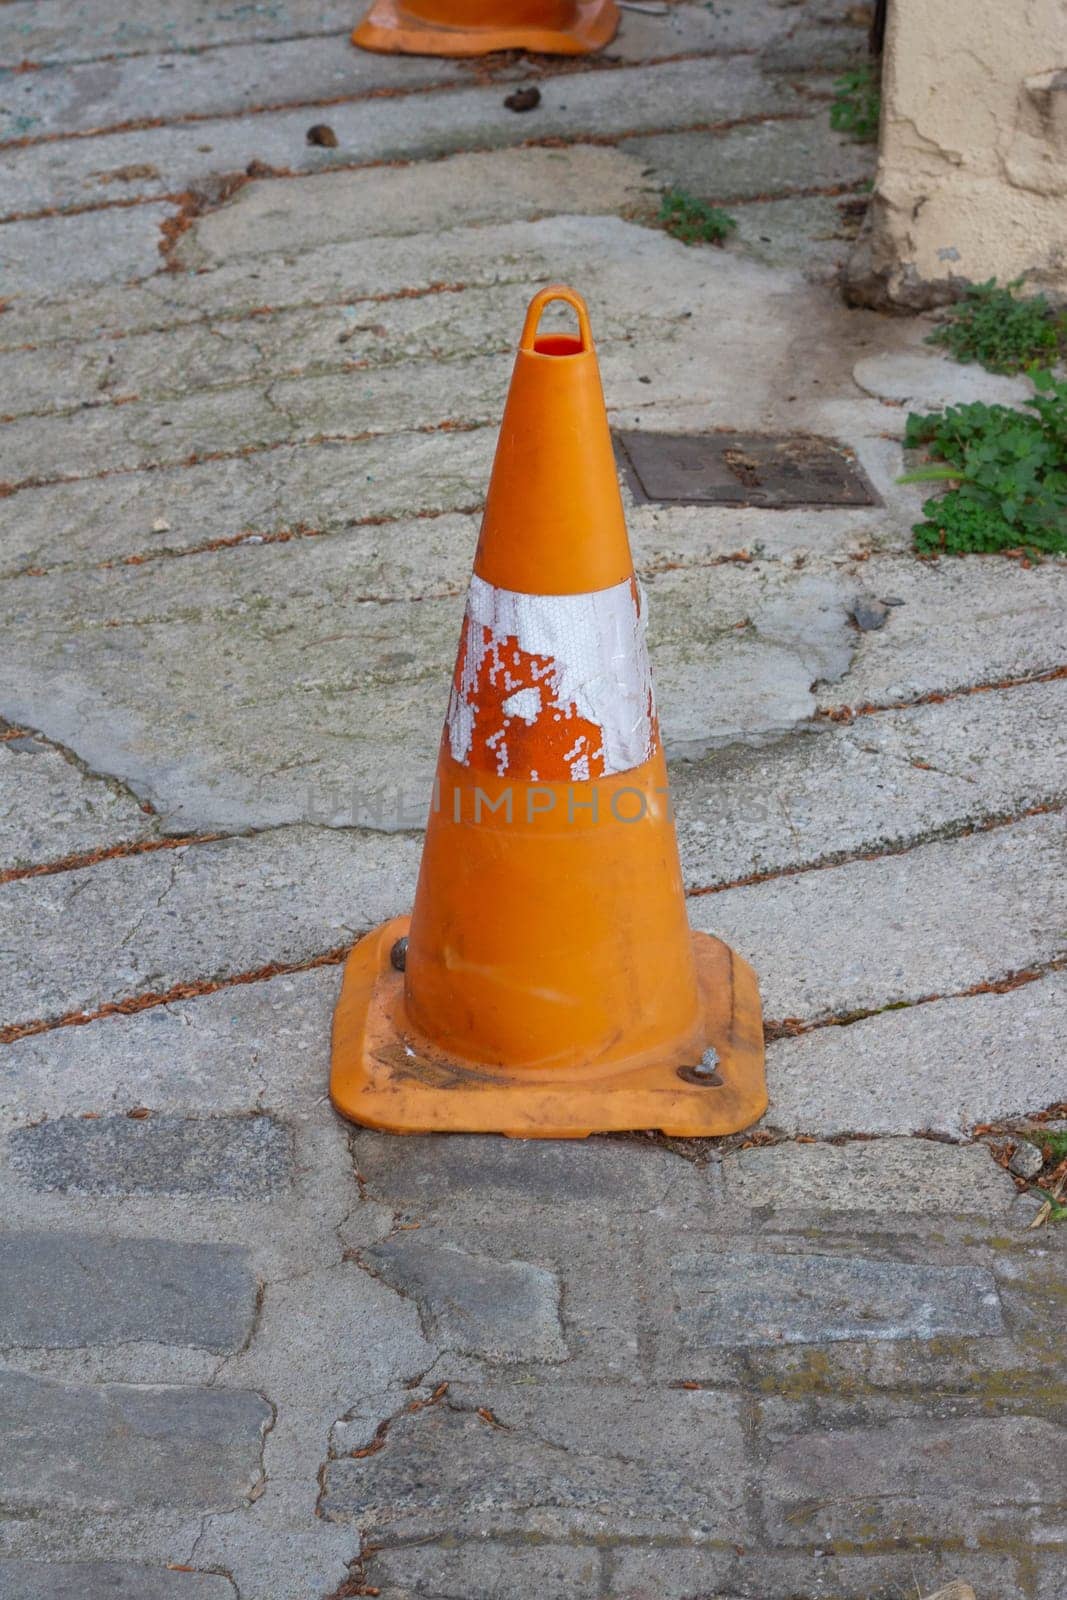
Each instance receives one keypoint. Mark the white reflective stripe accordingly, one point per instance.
(595, 667)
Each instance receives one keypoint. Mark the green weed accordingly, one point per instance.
(1002, 331)
(694, 221)
(857, 103)
(1008, 470)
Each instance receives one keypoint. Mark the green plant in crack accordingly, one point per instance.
(693, 221)
(1001, 330)
(1008, 471)
(857, 103)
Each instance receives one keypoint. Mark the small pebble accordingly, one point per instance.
(869, 614)
(1027, 1160)
(523, 99)
(322, 134)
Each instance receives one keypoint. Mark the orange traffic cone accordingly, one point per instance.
(475, 27)
(547, 984)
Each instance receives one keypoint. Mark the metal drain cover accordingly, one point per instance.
(742, 469)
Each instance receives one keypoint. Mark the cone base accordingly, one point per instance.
(383, 1080)
(390, 27)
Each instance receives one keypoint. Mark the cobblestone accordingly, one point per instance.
(108, 1580)
(123, 1446)
(916, 1477)
(505, 1310)
(64, 1290)
(236, 1158)
(768, 1299)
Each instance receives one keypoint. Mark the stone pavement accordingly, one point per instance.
(250, 1353)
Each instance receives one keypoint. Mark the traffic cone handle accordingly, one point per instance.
(557, 291)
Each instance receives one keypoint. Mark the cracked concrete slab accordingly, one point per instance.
(489, 186)
(164, 160)
(734, 649)
(57, 255)
(144, 924)
(50, 808)
(756, 161)
(942, 916)
(944, 1067)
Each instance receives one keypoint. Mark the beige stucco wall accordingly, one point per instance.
(972, 172)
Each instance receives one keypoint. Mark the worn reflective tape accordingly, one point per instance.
(552, 687)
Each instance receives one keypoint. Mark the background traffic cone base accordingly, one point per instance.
(419, 29)
(383, 1076)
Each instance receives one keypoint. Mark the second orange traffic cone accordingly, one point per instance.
(477, 27)
(547, 984)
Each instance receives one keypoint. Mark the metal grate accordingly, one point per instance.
(742, 469)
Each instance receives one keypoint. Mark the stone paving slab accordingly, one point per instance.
(942, 918)
(487, 1568)
(49, 808)
(497, 186)
(154, 162)
(108, 1580)
(679, 1573)
(262, 1043)
(128, 1446)
(58, 255)
(346, 339)
(554, 1460)
(809, 233)
(361, 403)
(943, 1067)
(193, 628)
(766, 1299)
(952, 632)
(146, 923)
(151, 1290)
(755, 161)
(88, 96)
(72, 30)
(988, 1475)
(503, 1310)
(238, 1158)
(887, 1176)
(877, 784)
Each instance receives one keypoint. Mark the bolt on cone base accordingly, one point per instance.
(384, 1079)
(394, 27)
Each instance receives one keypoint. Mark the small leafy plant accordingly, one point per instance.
(857, 103)
(1002, 331)
(1008, 470)
(694, 221)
